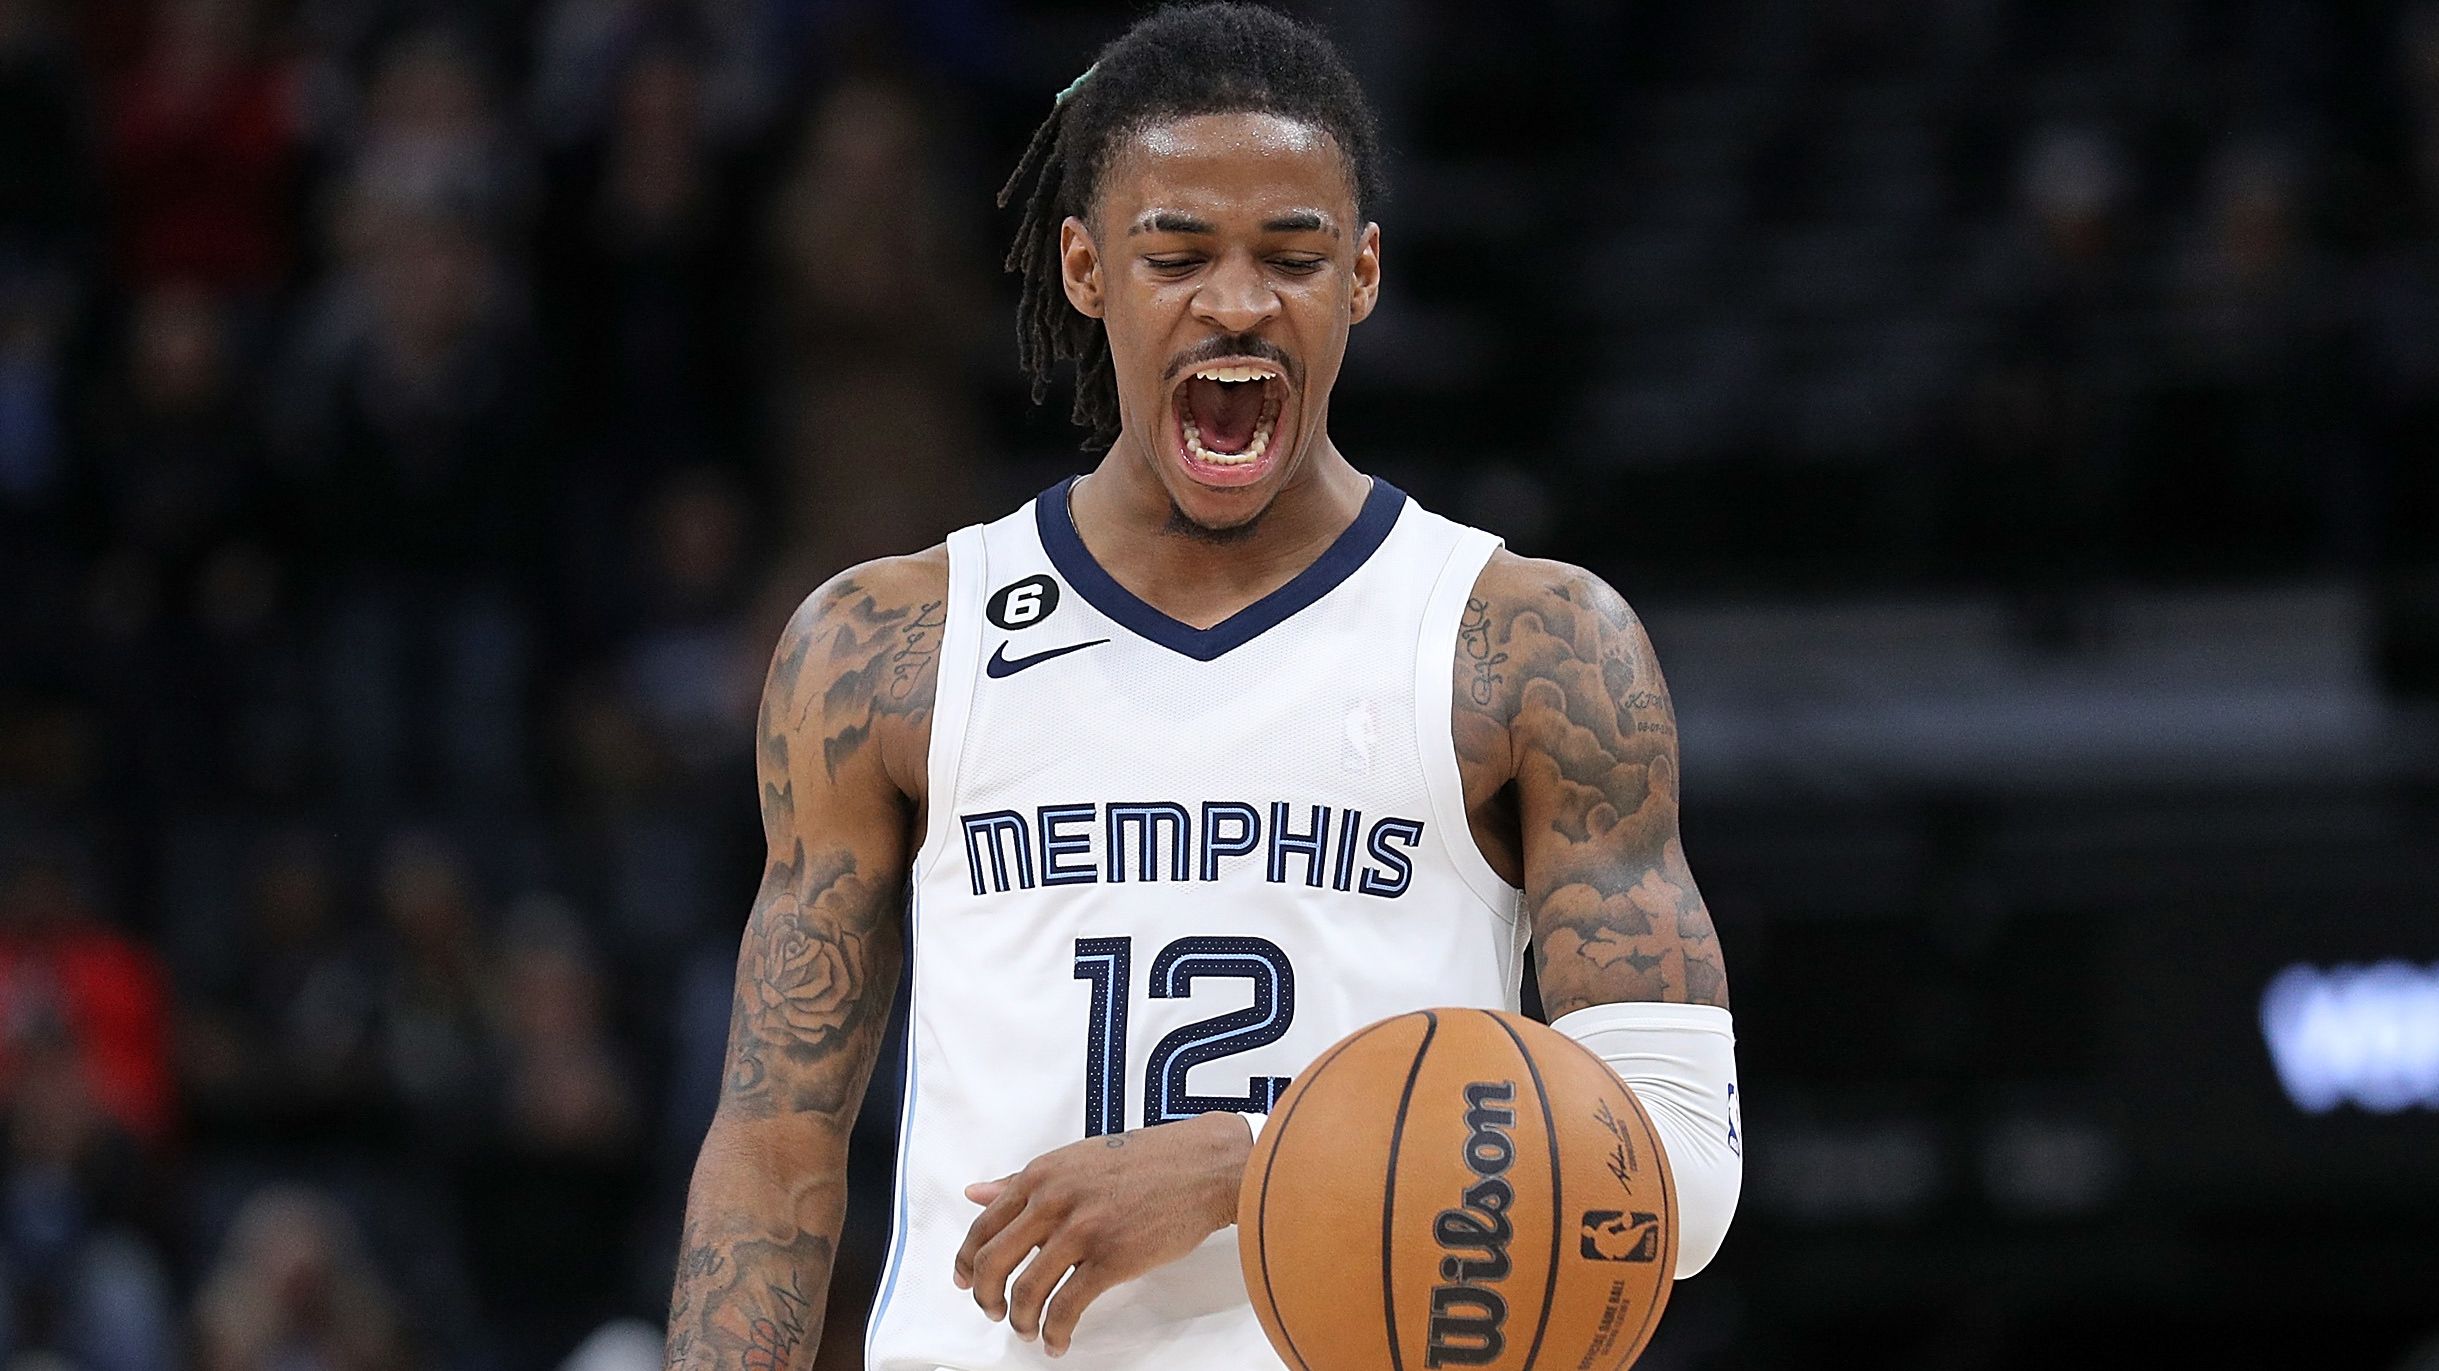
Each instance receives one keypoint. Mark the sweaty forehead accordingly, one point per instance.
(1223, 167)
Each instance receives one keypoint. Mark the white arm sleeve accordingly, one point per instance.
(1680, 1061)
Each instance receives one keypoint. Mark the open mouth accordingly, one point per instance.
(1228, 420)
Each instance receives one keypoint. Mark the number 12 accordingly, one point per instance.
(1108, 963)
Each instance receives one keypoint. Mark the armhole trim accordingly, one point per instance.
(1435, 719)
(953, 700)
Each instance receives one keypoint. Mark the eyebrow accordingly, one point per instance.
(1301, 221)
(1173, 221)
(1168, 221)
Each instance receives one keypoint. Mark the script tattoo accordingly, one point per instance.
(883, 661)
(912, 668)
(741, 1298)
(1579, 723)
(1474, 640)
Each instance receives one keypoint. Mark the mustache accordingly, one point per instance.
(1236, 345)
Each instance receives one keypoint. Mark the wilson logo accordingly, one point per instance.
(1468, 1319)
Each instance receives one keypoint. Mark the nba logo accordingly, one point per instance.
(1612, 1236)
(1361, 737)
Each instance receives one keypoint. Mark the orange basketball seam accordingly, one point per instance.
(1388, 1198)
(1261, 1204)
(1558, 1204)
(1668, 1189)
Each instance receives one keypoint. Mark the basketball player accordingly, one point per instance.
(1183, 771)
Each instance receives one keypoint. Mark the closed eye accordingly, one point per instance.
(1300, 266)
(1172, 266)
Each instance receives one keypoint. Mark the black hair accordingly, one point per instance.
(1181, 60)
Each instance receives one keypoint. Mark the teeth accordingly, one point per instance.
(1253, 450)
(1234, 373)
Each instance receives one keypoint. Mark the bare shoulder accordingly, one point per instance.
(1562, 666)
(1531, 620)
(857, 669)
(1561, 598)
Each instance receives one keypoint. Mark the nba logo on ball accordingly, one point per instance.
(1458, 1188)
(1611, 1236)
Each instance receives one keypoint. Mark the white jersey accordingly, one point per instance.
(1164, 868)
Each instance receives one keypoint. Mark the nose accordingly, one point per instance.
(1235, 297)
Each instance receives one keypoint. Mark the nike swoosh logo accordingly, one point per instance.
(1001, 664)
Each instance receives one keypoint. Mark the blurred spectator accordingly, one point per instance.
(662, 731)
(33, 320)
(408, 407)
(690, 670)
(178, 462)
(549, 1195)
(408, 429)
(38, 560)
(190, 585)
(294, 1291)
(283, 1041)
(2074, 188)
(586, 48)
(642, 273)
(46, 170)
(431, 135)
(2248, 287)
(874, 318)
(70, 984)
(2036, 499)
(432, 995)
(77, 1279)
(203, 140)
(2254, 312)
(84, 1087)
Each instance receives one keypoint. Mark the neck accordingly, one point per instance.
(1128, 523)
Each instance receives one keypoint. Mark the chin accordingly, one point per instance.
(1200, 510)
(1184, 525)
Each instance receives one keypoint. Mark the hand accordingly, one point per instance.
(1109, 1209)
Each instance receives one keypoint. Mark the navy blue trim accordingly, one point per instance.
(1340, 560)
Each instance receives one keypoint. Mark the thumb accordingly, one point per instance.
(983, 1192)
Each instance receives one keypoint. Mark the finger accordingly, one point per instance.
(983, 1192)
(1033, 1285)
(1088, 1282)
(998, 1259)
(1003, 1208)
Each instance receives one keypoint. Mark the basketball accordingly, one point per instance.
(1458, 1188)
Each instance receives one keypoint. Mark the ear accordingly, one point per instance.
(1367, 275)
(1080, 267)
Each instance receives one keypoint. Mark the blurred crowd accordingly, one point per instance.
(1984, 292)
(416, 419)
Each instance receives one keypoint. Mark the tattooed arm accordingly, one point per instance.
(845, 725)
(1568, 747)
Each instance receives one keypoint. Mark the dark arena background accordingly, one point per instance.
(2013, 417)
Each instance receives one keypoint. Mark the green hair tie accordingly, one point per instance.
(1075, 85)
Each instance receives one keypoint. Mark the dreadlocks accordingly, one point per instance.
(1181, 61)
